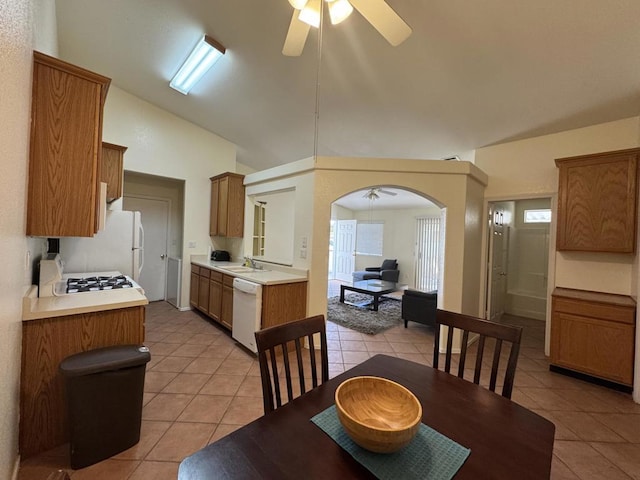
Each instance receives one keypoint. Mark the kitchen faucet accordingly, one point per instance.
(250, 262)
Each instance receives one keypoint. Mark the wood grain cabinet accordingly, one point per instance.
(593, 333)
(45, 343)
(66, 146)
(227, 205)
(112, 169)
(281, 303)
(597, 202)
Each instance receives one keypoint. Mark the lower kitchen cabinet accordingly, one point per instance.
(45, 343)
(281, 303)
(593, 333)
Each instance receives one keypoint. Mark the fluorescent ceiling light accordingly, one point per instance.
(200, 60)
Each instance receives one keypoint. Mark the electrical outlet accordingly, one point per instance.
(304, 242)
(192, 244)
(303, 253)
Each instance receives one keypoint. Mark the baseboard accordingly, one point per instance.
(591, 379)
(16, 468)
(184, 309)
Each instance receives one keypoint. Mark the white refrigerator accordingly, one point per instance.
(119, 246)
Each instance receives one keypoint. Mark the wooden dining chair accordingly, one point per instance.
(485, 329)
(275, 350)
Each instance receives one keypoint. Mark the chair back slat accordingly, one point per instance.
(274, 340)
(484, 329)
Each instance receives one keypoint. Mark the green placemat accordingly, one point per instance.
(430, 455)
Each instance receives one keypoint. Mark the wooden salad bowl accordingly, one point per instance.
(378, 414)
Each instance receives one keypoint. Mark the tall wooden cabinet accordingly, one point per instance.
(227, 205)
(593, 333)
(597, 202)
(66, 144)
(112, 169)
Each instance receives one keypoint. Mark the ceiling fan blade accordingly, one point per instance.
(384, 19)
(387, 192)
(296, 36)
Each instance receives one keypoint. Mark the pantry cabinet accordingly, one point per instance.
(65, 149)
(227, 205)
(112, 169)
(597, 202)
(593, 333)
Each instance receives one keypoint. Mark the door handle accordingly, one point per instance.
(162, 256)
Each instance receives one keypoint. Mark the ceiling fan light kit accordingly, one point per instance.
(377, 12)
(207, 52)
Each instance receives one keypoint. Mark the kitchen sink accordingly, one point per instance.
(243, 269)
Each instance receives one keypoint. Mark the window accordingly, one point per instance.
(369, 238)
(542, 215)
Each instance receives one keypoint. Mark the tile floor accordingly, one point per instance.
(200, 386)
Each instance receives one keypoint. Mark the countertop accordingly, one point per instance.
(270, 275)
(34, 308)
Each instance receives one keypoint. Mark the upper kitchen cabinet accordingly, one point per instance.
(66, 144)
(227, 205)
(597, 202)
(112, 169)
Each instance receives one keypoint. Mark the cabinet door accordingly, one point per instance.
(215, 299)
(213, 214)
(223, 206)
(203, 294)
(112, 169)
(597, 196)
(226, 316)
(65, 149)
(597, 347)
(195, 283)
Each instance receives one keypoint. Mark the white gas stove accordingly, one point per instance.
(54, 283)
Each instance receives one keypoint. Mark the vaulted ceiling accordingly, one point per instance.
(471, 74)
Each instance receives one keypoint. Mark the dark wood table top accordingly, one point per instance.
(507, 441)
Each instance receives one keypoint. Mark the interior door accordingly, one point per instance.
(497, 264)
(155, 220)
(345, 249)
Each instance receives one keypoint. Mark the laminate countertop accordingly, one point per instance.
(34, 307)
(269, 275)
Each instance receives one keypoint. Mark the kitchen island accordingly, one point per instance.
(54, 328)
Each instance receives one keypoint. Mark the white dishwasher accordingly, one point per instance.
(247, 310)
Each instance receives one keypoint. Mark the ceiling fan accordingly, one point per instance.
(373, 193)
(307, 14)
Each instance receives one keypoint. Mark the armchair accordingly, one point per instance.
(419, 307)
(388, 271)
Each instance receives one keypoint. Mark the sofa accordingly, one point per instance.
(388, 272)
(420, 307)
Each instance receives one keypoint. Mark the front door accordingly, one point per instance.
(345, 249)
(497, 266)
(155, 221)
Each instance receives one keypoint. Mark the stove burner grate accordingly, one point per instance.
(94, 284)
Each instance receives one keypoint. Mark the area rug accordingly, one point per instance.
(361, 319)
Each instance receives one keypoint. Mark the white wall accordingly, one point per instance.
(398, 241)
(160, 143)
(527, 167)
(19, 19)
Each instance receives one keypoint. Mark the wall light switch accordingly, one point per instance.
(303, 253)
(304, 242)
(192, 244)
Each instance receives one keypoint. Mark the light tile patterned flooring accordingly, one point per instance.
(200, 386)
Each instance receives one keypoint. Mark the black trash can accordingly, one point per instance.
(104, 390)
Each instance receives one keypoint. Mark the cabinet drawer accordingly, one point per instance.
(614, 313)
(216, 276)
(204, 272)
(195, 269)
(227, 280)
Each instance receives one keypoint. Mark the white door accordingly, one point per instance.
(345, 249)
(497, 264)
(155, 220)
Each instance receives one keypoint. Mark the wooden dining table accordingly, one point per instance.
(506, 440)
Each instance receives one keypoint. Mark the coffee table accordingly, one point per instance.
(375, 288)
